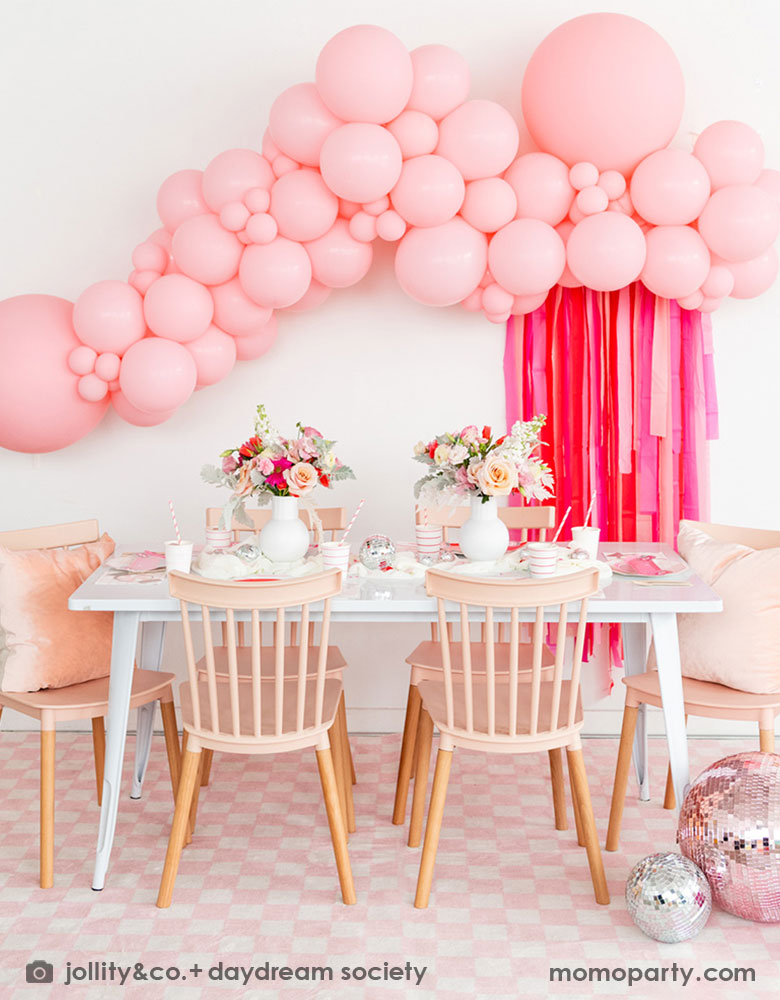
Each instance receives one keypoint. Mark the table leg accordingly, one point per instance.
(119, 687)
(667, 654)
(150, 658)
(635, 660)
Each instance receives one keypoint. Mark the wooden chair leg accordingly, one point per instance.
(47, 808)
(441, 778)
(352, 772)
(669, 800)
(406, 760)
(577, 766)
(187, 786)
(423, 762)
(205, 771)
(575, 806)
(335, 735)
(172, 748)
(99, 749)
(195, 798)
(622, 768)
(767, 740)
(346, 760)
(558, 789)
(188, 834)
(338, 833)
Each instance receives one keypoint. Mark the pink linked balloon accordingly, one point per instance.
(769, 181)
(338, 260)
(40, 406)
(677, 263)
(109, 316)
(440, 265)
(299, 123)
(303, 206)
(740, 222)
(489, 204)
(362, 226)
(142, 281)
(315, 296)
(181, 196)
(276, 274)
(268, 147)
(542, 188)
(604, 88)
(718, 283)
(429, 191)
(284, 165)
(567, 279)
(92, 388)
(137, 417)
(528, 303)
(178, 308)
(364, 74)
(235, 214)
(441, 80)
(583, 175)
(591, 200)
(205, 250)
(235, 312)
(81, 360)
(710, 305)
(692, 301)
(480, 138)
(527, 257)
(360, 162)
(390, 226)
(107, 367)
(231, 174)
(157, 375)
(377, 207)
(261, 228)
(606, 251)
(257, 343)
(416, 133)
(731, 152)
(150, 256)
(257, 200)
(670, 188)
(754, 277)
(214, 354)
(497, 300)
(613, 183)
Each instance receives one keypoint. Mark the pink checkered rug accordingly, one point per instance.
(257, 888)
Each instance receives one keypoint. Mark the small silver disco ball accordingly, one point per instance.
(668, 897)
(377, 552)
(247, 551)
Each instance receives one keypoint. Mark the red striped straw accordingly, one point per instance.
(352, 521)
(175, 522)
(560, 526)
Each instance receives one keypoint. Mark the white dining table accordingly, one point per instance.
(646, 609)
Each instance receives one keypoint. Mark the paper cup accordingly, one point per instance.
(543, 558)
(429, 540)
(335, 555)
(219, 538)
(178, 556)
(586, 539)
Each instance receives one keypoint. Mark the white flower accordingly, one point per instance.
(328, 462)
(458, 454)
(421, 448)
(442, 454)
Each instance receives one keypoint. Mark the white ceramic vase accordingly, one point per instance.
(285, 538)
(484, 537)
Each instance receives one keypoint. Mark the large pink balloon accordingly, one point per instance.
(109, 316)
(527, 257)
(606, 252)
(276, 274)
(299, 123)
(732, 153)
(303, 206)
(541, 184)
(489, 204)
(231, 174)
(179, 197)
(441, 80)
(429, 191)
(677, 263)
(338, 260)
(769, 181)
(670, 188)
(139, 418)
(205, 250)
(214, 354)
(235, 312)
(360, 162)
(157, 375)
(178, 308)
(740, 222)
(416, 133)
(441, 265)
(40, 406)
(364, 74)
(605, 89)
(257, 343)
(754, 277)
(480, 138)
(567, 279)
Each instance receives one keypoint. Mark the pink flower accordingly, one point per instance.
(265, 466)
(462, 476)
(306, 449)
(229, 464)
(276, 479)
(470, 434)
(301, 478)
(311, 432)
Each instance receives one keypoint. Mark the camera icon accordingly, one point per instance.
(40, 972)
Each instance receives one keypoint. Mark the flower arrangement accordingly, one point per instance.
(471, 463)
(268, 465)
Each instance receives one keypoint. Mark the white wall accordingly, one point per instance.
(100, 101)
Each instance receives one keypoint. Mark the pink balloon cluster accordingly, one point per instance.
(386, 144)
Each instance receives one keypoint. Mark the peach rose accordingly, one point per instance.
(301, 478)
(497, 477)
(245, 484)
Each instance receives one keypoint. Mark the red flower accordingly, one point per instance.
(325, 480)
(486, 432)
(432, 448)
(500, 440)
(251, 447)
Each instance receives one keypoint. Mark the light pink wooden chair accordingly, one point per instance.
(703, 698)
(268, 714)
(501, 713)
(88, 700)
(333, 519)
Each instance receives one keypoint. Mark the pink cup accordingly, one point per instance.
(429, 540)
(335, 555)
(543, 558)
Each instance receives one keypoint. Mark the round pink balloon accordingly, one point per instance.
(257, 200)
(541, 185)
(527, 257)
(205, 250)
(604, 88)
(429, 191)
(231, 174)
(40, 406)
(480, 138)
(235, 214)
(360, 162)
(489, 204)
(769, 181)
(92, 388)
(315, 295)
(441, 80)
(157, 375)
(81, 360)
(692, 301)
(257, 343)
(718, 283)
(377, 207)
(567, 279)
(440, 265)
(150, 256)
(214, 354)
(754, 277)
(583, 175)
(528, 303)
(670, 188)
(179, 308)
(303, 206)
(107, 367)
(364, 74)
(677, 263)
(390, 226)
(497, 300)
(179, 197)
(299, 123)
(142, 281)
(137, 417)
(710, 305)
(277, 274)
(606, 251)
(109, 316)
(362, 226)
(613, 183)
(284, 165)
(338, 260)
(261, 228)
(732, 153)
(740, 222)
(591, 200)
(235, 312)
(416, 133)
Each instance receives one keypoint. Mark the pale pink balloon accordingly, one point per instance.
(429, 191)
(205, 250)
(542, 188)
(692, 301)
(390, 226)
(231, 174)
(710, 305)
(440, 265)
(179, 308)
(284, 165)
(489, 204)
(348, 208)
(276, 274)
(583, 175)
(576, 214)
(732, 153)
(591, 200)
(754, 277)
(606, 251)
(235, 214)
(257, 200)
(769, 181)
(235, 312)
(480, 138)
(528, 303)
(303, 206)
(442, 80)
(150, 256)
(613, 182)
(377, 207)
(92, 388)
(338, 260)
(718, 283)
(268, 147)
(527, 257)
(181, 196)
(364, 74)
(473, 302)
(137, 417)
(670, 188)
(567, 279)
(677, 263)
(416, 133)
(497, 300)
(157, 375)
(299, 123)
(109, 316)
(498, 318)
(81, 360)
(740, 222)
(362, 226)
(315, 295)
(257, 343)
(261, 228)
(107, 367)
(142, 281)
(360, 162)
(214, 354)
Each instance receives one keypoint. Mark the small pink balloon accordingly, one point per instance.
(150, 257)
(489, 204)
(157, 375)
(142, 281)
(234, 215)
(348, 208)
(315, 296)
(390, 226)
(257, 343)
(625, 204)
(541, 185)
(591, 200)
(107, 367)
(718, 283)
(181, 196)
(134, 416)
(235, 312)
(576, 214)
(606, 251)
(92, 388)
(496, 299)
(163, 238)
(338, 260)
(303, 206)
(670, 188)
(429, 191)
(473, 302)
(214, 354)
(567, 279)
(692, 301)
(769, 181)
(284, 165)
(754, 277)
(261, 228)
(441, 80)
(360, 162)
(300, 122)
(732, 153)
(268, 147)
(109, 316)
(113, 385)
(416, 133)
(178, 308)
(205, 250)
(710, 305)
(498, 318)
(81, 360)
(440, 265)
(527, 257)
(740, 222)
(257, 200)
(613, 183)
(277, 274)
(231, 174)
(677, 263)
(362, 226)
(486, 279)
(480, 138)
(583, 175)
(528, 303)
(377, 207)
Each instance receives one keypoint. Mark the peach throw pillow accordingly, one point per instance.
(42, 643)
(740, 647)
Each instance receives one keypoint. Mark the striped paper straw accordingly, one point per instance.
(590, 508)
(560, 526)
(175, 522)
(352, 521)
